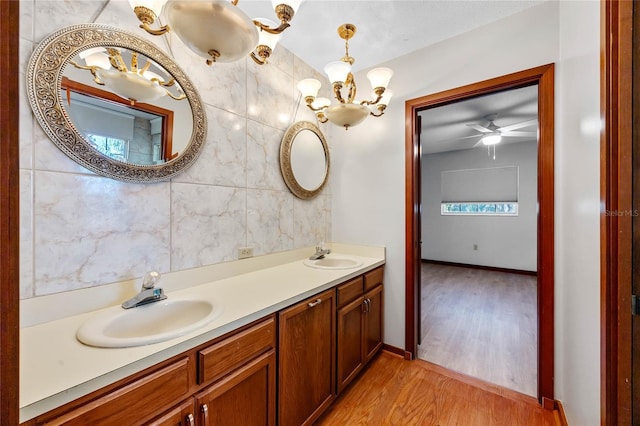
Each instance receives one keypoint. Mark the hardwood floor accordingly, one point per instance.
(481, 323)
(392, 391)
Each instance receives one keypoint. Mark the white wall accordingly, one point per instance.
(501, 241)
(368, 171)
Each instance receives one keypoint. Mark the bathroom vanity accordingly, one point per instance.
(279, 359)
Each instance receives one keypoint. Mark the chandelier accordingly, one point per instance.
(135, 84)
(347, 112)
(217, 30)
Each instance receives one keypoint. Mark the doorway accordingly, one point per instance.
(543, 77)
(479, 236)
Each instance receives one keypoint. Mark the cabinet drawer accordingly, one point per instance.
(229, 354)
(373, 278)
(142, 399)
(349, 291)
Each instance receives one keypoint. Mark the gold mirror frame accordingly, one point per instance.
(44, 78)
(285, 159)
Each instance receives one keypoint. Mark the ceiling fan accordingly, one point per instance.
(492, 134)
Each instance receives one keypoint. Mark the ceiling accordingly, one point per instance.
(445, 128)
(386, 29)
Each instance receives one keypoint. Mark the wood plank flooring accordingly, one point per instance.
(481, 323)
(392, 391)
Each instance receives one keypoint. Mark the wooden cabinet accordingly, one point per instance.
(246, 397)
(232, 378)
(306, 378)
(359, 335)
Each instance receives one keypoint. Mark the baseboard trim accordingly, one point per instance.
(394, 350)
(562, 416)
(487, 268)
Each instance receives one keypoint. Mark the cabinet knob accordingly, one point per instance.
(315, 303)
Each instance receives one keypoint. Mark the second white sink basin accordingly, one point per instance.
(334, 262)
(156, 322)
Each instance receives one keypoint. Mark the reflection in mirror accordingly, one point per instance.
(115, 103)
(304, 159)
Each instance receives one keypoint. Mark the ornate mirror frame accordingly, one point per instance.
(44, 78)
(285, 159)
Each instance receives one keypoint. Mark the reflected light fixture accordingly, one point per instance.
(108, 68)
(217, 30)
(347, 112)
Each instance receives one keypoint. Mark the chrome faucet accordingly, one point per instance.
(148, 294)
(320, 252)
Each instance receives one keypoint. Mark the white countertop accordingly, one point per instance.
(56, 368)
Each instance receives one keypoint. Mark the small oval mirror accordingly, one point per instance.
(115, 103)
(304, 159)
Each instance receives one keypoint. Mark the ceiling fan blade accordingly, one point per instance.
(524, 134)
(518, 125)
(459, 139)
(479, 128)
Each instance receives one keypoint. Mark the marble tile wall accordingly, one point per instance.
(80, 230)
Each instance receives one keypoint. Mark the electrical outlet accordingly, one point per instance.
(244, 252)
(475, 247)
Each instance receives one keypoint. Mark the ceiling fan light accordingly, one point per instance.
(380, 77)
(337, 71)
(491, 139)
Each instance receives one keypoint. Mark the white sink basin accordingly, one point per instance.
(334, 262)
(156, 322)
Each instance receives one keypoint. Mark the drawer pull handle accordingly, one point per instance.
(316, 303)
(190, 420)
(205, 414)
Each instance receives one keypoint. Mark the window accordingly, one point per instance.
(115, 148)
(480, 209)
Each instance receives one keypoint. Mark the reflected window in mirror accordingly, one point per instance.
(137, 134)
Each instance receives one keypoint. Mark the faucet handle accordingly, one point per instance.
(150, 279)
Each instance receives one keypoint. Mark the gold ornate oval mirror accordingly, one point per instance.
(304, 159)
(115, 103)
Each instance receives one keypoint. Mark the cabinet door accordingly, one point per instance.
(182, 415)
(372, 323)
(350, 342)
(306, 383)
(245, 397)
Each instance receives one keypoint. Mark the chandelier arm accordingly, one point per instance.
(96, 79)
(168, 83)
(283, 26)
(162, 30)
(322, 118)
(234, 2)
(315, 109)
(377, 115)
(177, 98)
(145, 68)
(351, 84)
(374, 102)
(257, 59)
(337, 86)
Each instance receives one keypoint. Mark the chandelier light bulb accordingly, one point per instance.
(380, 77)
(309, 87)
(337, 71)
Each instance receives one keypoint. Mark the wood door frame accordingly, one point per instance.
(616, 174)
(543, 76)
(9, 212)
